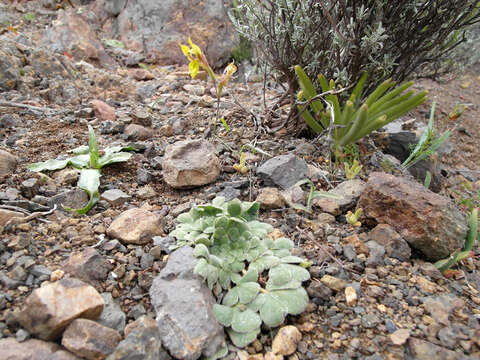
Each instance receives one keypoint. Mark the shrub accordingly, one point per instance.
(257, 278)
(343, 38)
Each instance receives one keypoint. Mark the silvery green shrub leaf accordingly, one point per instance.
(236, 277)
(219, 354)
(237, 266)
(285, 286)
(257, 303)
(224, 279)
(264, 263)
(259, 229)
(273, 310)
(212, 276)
(248, 291)
(185, 218)
(285, 273)
(202, 239)
(282, 243)
(295, 300)
(245, 321)
(80, 150)
(201, 251)
(201, 268)
(234, 208)
(218, 201)
(281, 253)
(93, 148)
(242, 339)
(231, 298)
(216, 261)
(250, 276)
(291, 260)
(223, 314)
(250, 210)
(80, 161)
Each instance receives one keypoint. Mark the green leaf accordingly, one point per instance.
(234, 208)
(231, 298)
(201, 268)
(285, 273)
(291, 260)
(212, 276)
(185, 218)
(282, 243)
(247, 292)
(250, 276)
(114, 43)
(242, 339)
(201, 251)
(48, 165)
(218, 201)
(224, 279)
(89, 181)
(245, 321)
(93, 148)
(223, 314)
(219, 354)
(81, 150)
(114, 158)
(296, 300)
(273, 311)
(259, 229)
(80, 161)
(250, 210)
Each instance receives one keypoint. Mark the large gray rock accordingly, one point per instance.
(191, 163)
(112, 315)
(142, 341)
(11, 349)
(429, 222)
(170, 22)
(183, 304)
(283, 170)
(51, 308)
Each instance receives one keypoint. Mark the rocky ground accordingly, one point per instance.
(92, 286)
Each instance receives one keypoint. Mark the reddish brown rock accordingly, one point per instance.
(327, 205)
(141, 74)
(188, 164)
(103, 111)
(90, 340)
(429, 222)
(88, 265)
(138, 132)
(71, 33)
(51, 308)
(33, 349)
(135, 226)
(424, 350)
(270, 198)
(8, 163)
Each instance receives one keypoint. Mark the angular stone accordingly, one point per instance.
(135, 226)
(142, 117)
(8, 163)
(376, 253)
(429, 222)
(333, 282)
(191, 163)
(424, 350)
(349, 191)
(88, 265)
(142, 341)
(286, 340)
(138, 132)
(393, 243)
(112, 315)
(66, 176)
(30, 187)
(329, 206)
(114, 197)
(9, 70)
(284, 171)
(270, 198)
(90, 340)
(75, 199)
(7, 215)
(33, 349)
(183, 304)
(103, 111)
(51, 308)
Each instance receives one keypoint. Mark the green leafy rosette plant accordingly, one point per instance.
(89, 161)
(256, 279)
(356, 119)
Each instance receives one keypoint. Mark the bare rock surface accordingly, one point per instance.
(393, 243)
(88, 265)
(183, 304)
(8, 162)
(142, 341)
(90, 340)
(429, 222)
(135, 226)
(33, 349)
(51, 308)
(188, 164)
(283, 170)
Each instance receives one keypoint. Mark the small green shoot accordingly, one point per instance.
(428, 143)
(472, 235)
(428, 180)
(29, 17)
(352, 218)
(352, 171)
(241, 167)
(312, 195)
(88, 160)
(114, 43)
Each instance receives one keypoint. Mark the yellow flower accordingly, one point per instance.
(195, 56)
